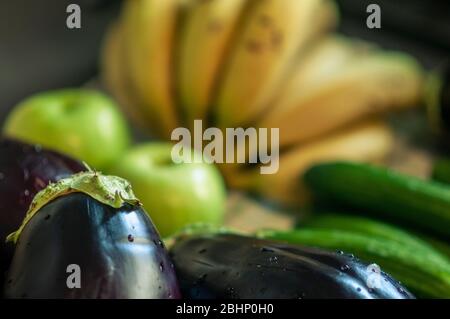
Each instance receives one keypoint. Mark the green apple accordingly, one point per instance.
(174, 195)
(82, 123)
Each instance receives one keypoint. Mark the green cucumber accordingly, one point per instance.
(384, 193)
(441, 171)
(425, 272)
(375, 229)
(437, 244)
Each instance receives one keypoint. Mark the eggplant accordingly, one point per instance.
(92, 224)
(24, 171)
(221, 265)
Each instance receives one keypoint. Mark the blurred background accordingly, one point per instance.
(243, 63)
(34, 39)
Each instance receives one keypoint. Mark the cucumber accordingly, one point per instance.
(377, 229)
(419, 270)
(438, 245)
(384, 193)
(441, 171)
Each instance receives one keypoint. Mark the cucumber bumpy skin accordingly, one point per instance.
(384, 193)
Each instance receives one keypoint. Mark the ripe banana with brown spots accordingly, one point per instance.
(272, 35)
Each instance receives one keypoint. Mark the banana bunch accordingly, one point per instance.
(262, 64)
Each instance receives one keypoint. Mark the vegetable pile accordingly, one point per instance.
(150, 227)
(410, 244)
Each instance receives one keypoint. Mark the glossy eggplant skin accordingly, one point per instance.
(119, 253)
(25, 170)
(238, 267)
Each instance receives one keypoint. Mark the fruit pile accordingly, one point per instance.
(152, 226)
(261, 64)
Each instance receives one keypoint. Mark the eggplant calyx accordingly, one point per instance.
(109, 190)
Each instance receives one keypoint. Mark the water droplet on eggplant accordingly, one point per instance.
(345, 267)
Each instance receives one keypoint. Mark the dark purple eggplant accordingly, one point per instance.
(103, 230)
(239, 267)
(25, 170)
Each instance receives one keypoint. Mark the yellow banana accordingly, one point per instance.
(327, 17)
(116, 76)
(370, 85)
(271, 37)
(368, 142)
(326, 58)
(205, 39)
(150, 27)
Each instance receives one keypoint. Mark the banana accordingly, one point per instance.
(272, 35)
(206, 36)
(115, 75)
(368, 142)
(327, 17)
(150, 27)
(326, 58)
(373, 84)
(323, 60)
